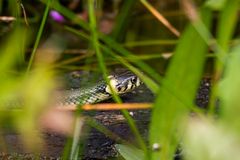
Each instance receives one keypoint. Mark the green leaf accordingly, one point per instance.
(215, 4)
(229, 91)
(229, 16)
(122, 21)
(11, 48)
(130, 152)
(226, 25)
(207, 140)
(182, 79)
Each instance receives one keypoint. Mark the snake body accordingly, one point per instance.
(120, 83)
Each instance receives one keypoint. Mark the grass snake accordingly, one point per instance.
(121, 83)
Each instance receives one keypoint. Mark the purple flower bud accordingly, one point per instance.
(56, 16)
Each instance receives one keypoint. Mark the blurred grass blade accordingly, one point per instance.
(129, 152)
(161, 18)
(229, 91)
(35, 92)
(229, 16)
(206, 140)
(215, 4)
(11, 49)
(96, 45)
(102, 65)
(122, 21)
(151, 42)
(184, 75)
(76, 138)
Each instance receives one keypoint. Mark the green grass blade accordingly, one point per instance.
(226, 26)
(95, 41)
(206, 139)
(122, 20)
(102, 65)
(151, 42)
(184, 74)
(216, 5)
(76, 138)
(229, 88)
(227, 23)
(130, 152)
(228, 16)
(40, 31)
(11, 49)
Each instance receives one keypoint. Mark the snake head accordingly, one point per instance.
(123, 83)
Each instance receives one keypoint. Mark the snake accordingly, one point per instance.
(120, 83)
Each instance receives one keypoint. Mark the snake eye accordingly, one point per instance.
(134, 80)
(118, 89)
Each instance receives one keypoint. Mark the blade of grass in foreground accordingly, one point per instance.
(184, 74)
(10, 50)
(8, 61)
(224, 33)
(102, 65)
(229, 15)
(219, 137)
(229, 92)
(130, 152)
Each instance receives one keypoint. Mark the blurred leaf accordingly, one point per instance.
(215, 4)
(122, 21)
(10, 81)
(226, 25)
(129, 152)
(229, 16)
(184, 74)
(229, 91)
(209, 141)
(50, 50)
(10, 50)
(35, 94)
(30, 92)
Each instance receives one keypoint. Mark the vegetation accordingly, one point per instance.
(35, 39)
